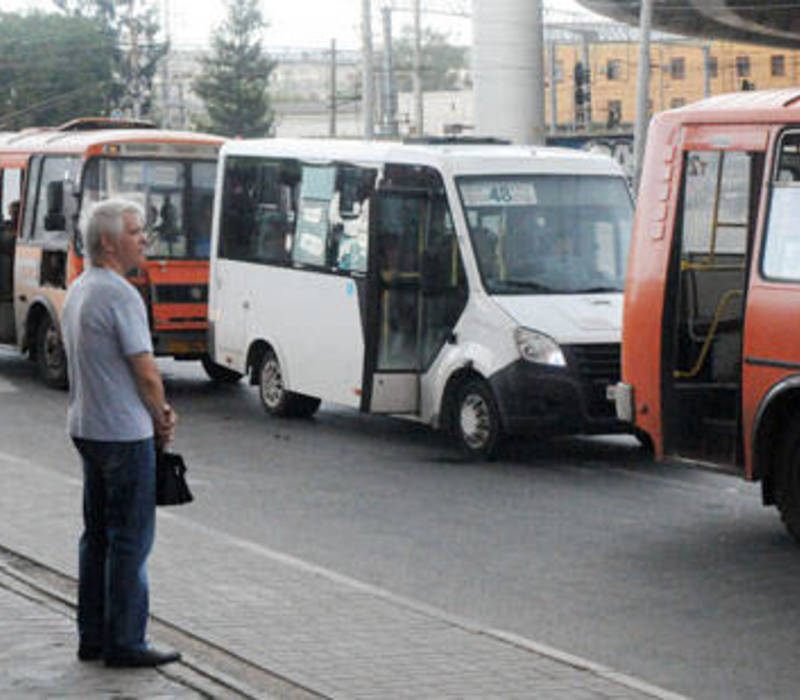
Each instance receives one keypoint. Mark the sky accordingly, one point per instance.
(191, 21)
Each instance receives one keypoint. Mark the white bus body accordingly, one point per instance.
(474, 287)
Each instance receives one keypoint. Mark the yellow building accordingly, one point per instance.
(676, 76)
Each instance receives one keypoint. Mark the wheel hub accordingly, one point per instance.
(271, 383)
(474, 420)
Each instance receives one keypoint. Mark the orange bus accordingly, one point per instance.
(48, 174)
(711, 339)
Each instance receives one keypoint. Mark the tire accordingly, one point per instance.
(645, 441)
(50, 356)
(275, 399)
(476, 421)
(787, 483)
(218, 373)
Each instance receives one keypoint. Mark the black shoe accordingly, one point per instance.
(135, 658)
(90, 653)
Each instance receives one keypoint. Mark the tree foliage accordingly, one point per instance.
(443, 63)
(235, 75)
(54, 69)
(137, 53)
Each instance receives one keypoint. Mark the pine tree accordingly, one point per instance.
(235, 75)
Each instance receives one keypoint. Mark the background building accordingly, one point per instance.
(301, 84)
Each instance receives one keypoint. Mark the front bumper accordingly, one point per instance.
(540, 399)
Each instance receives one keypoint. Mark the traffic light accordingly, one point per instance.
(583, 93)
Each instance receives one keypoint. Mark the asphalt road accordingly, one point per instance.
(675, 575)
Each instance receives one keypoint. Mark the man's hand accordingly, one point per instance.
(165, 426)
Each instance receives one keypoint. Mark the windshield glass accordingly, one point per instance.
(556, 234)
(176, 195)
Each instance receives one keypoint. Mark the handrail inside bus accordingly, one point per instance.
(698, 365)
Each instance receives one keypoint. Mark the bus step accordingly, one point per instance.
(719, 438)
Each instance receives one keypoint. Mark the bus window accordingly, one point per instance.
(313, 224)
(782, 245)
(258, 210)
(50, 224)
(562, 234)
(203, 177)
(174, 194)
(10, 199)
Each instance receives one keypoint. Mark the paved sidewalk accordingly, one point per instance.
(331, 634)
(37, 657)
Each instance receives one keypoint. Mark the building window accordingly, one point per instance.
(676, 102)
(742, 66)
(713, 67)
(778, 65)
(614, 69)
(677, 68)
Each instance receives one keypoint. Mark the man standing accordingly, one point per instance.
(117, 410)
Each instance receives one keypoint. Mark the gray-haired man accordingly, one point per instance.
(117, 409)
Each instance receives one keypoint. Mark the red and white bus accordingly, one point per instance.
(711, 339)
(48, 174)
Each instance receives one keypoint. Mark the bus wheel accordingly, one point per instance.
(477, 420)
(50, 355)
(787, 491)
(218, 373)
(274, 397)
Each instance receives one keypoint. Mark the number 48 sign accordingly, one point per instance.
(516, 193)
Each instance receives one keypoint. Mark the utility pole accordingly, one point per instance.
(553, 89)
(706, 70)
(136, 107)
(537, 54)
(167, 117)
(388, 92)
(368, 79)
(642, 90)
(418, 105)
(332, 125)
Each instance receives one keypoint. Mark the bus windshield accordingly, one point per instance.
(549, 234)
(176, 195)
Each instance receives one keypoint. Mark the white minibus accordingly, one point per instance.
(474, 286)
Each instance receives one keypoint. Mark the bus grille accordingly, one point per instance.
(598, 366)
(181, 294)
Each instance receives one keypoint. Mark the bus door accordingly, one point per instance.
(715, 223)
(10, 189)
(416, 292)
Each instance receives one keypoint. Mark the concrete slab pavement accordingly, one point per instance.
(37, 656)
(318, 629)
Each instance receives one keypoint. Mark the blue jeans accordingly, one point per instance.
(119, 515)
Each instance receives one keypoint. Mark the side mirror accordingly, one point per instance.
(55, 219)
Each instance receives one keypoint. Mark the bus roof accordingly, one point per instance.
(45, 139)
(782, 105)
(457, 158)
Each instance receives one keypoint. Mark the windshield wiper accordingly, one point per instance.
(596, 290)
(528, 284)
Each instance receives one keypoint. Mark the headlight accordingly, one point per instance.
(537, 347)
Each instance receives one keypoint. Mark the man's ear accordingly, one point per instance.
(109, 243)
